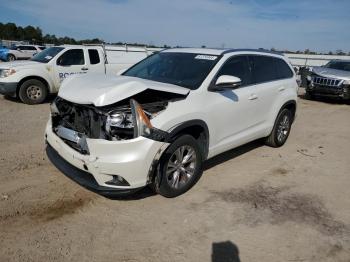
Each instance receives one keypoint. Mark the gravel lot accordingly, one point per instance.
(253, 203)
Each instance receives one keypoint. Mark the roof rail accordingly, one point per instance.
(252, 50)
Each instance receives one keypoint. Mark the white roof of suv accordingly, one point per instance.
(218, 51)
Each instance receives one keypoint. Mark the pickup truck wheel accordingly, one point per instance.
(11, 58)
(32, 92)
(281, 129)
(179, 168)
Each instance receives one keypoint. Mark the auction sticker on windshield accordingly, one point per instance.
(206, 57)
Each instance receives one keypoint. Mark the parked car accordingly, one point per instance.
(157, 122)
(23, 52)
(33, 80)
(3, 53)
(330, 80)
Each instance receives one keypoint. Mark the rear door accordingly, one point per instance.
(266, 85)
(96, 60)
(71, 62)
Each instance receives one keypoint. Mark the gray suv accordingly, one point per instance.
(331, 80)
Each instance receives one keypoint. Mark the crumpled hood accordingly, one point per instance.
(332, 73)
(18, 64)
(102, 90)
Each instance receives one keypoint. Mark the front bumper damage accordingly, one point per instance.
(132, 160)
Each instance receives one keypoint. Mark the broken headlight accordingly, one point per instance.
(132, 122)
(119, 124)
(119, 119)
(142, 124)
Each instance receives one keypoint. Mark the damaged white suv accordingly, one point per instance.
(157, 122)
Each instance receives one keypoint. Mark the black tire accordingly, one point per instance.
(281, 129)
(11, 58)
(32, 92)
(165, 180)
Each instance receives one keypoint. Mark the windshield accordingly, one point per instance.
(339, 65)
(182, 69)
(46, 55)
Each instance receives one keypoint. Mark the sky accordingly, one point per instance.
(318, 25)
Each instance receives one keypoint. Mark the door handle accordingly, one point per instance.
(253, 97)
(282, 88)
(85, 69)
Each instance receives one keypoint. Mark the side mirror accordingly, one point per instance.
(227, 82)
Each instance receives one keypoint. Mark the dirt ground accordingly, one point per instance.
(253, 203)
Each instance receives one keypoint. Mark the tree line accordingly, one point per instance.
(34, 35)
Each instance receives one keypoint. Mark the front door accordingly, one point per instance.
(70, 63)
(232, 110)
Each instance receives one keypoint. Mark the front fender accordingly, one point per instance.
(23, 74)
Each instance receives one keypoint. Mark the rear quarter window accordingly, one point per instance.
(94, 57)
(282, 68)
(263, 69)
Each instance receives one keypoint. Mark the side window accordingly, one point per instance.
(263, 68)
(283, 70)
(71, 57)
(237, 66)
(30, 48)
(20, 47)
(94, 57)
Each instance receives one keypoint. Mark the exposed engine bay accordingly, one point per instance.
(119, 121)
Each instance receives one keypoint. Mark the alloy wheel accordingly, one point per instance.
(181, 166)
(283, 129)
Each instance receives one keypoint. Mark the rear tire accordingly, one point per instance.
(32, 92)
(281, 129)
(11, 58)
(180, 167)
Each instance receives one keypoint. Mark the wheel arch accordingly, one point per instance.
(41, 79)
(9, 54)
(196, 128)
(291, 105)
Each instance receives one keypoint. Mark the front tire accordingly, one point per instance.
(180, 167)
(281, 129)
(11, 58)
(32, 92)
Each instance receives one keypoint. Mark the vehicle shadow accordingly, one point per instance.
(327, 100)
(231, 154)
(14, 99)
(225, 252)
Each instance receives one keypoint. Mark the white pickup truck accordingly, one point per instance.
(33, 80)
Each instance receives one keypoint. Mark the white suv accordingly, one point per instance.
(163, 117)
(24, 52)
